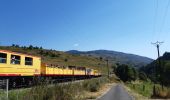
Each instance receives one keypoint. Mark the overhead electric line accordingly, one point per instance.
(157, 33)
(164, 17)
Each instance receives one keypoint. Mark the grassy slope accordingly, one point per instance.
(143, 88)
(60, 58)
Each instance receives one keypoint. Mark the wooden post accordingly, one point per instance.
(108, 67)
(7, 88)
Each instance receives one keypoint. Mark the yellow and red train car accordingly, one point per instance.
(22, 68)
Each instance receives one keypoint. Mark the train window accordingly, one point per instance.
(28, 61)
(3, 58)
(15, 59)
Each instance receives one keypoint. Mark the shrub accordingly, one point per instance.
(57, 92)
(93, 85)
(65, 59)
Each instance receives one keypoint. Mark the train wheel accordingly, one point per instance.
(14, 84)
(30, 83)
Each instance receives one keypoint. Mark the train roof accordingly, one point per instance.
(8, 51)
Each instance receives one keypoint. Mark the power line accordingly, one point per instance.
(164, 17)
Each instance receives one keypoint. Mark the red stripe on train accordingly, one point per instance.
(44, 75)
(63, 75)
(10, 75)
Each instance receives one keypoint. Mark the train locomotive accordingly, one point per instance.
(22, 68)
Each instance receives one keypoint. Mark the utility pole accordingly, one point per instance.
(157, 44)
(108, 67)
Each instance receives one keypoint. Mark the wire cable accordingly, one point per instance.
(164, 17)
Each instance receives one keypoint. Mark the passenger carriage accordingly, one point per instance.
(22, 69)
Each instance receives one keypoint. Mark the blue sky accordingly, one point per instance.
(121, 25)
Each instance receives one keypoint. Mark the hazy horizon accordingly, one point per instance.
(77, 50)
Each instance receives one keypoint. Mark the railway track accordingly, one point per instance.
(3, 83)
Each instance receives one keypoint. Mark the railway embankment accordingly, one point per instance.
(83, 90)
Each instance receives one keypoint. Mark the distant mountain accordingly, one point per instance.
(115, 57)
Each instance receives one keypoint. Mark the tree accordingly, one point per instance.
(13, 45)
(121, 72)
(41, 48)
(165, 75)
(30, 47)
(142, 76)
(126, 73)
(36, 47)
(101, 58)
(24, 47)
(65, 59)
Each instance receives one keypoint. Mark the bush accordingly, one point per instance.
(93, 85)
(142, 76)
(57, 92)
(126, 73)
(65, 59)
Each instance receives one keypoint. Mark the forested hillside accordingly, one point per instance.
(116, 57)
(158, 72)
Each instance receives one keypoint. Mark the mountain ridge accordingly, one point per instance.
(116, 57)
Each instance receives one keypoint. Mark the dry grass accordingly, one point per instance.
(136, 95)
(161, 94)
(144, 91)
(72, 91)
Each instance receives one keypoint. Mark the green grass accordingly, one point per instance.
(13, 94)
(143, 88)
(146, 89)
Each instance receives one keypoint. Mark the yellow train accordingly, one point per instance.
(22, 69)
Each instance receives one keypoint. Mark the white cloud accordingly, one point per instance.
(76, 45)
